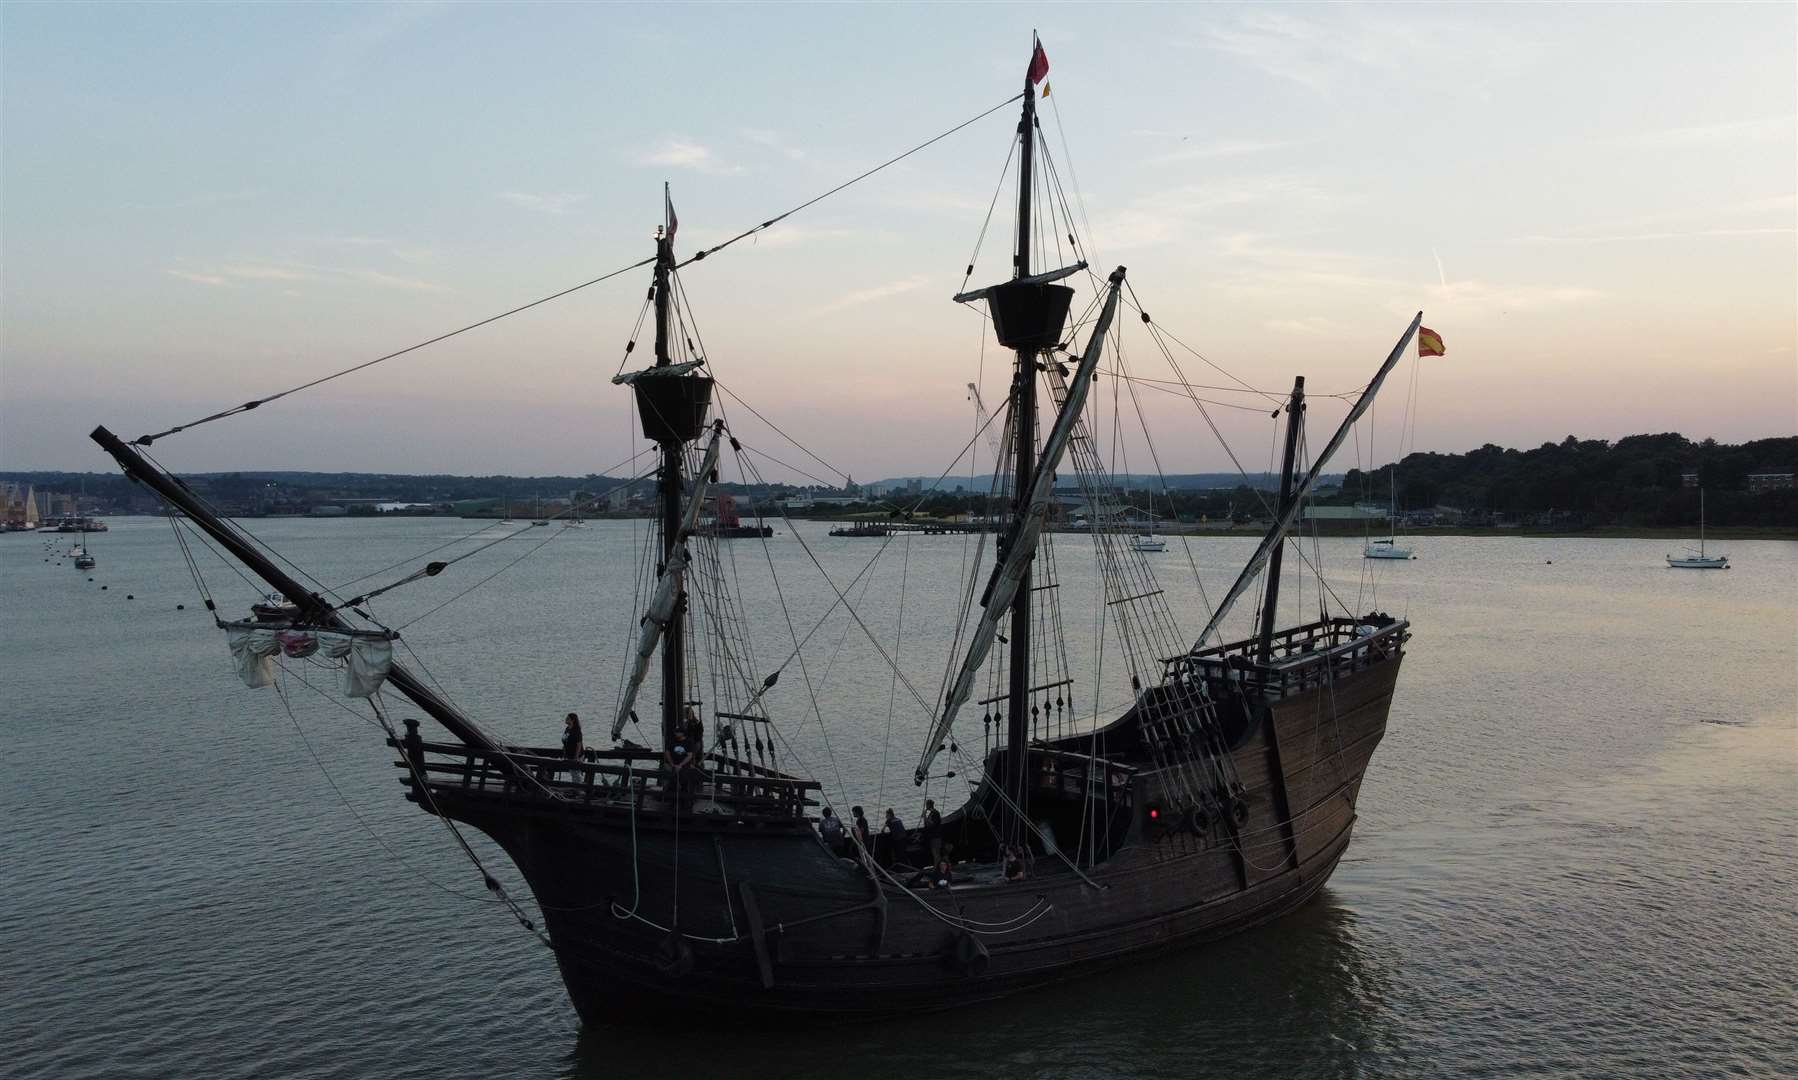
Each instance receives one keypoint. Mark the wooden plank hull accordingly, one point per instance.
(772, 924)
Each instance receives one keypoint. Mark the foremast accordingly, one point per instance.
(672, 400)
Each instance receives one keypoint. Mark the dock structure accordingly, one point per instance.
(928, 528)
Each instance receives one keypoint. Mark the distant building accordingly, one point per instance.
(1345, 513)
(328, 511)
(1688, 478)
(1768, 481)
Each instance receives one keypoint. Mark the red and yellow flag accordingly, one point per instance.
(1429, 342)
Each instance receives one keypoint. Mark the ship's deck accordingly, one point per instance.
(1301, 658)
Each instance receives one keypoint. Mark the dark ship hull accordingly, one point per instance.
(772, 923)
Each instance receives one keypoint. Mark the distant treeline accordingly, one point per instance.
(1637, 480)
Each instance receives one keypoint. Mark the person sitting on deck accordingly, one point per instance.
(830, 830)
(695, 734)
(943, 877)
(1014, 864)
(573, 746)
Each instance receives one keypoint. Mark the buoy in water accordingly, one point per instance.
(128, 596)
(180, 607)
(102, 587)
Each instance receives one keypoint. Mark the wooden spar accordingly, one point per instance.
(674, 651)
(1295, 420)
(312, 607)
(1277, 534)
(1023, 445)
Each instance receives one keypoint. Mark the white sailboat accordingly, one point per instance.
(573, 520)
(1149, 541)
(1389, 547)
(1700, 561)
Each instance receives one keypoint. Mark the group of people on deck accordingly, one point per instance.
(892, 842)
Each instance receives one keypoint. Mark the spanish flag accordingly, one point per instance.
(1429, 342)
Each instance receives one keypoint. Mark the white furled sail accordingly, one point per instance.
(254, 647)
(661, 604)
(1290, 512)
(1026, 530)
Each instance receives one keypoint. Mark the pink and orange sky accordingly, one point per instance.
(1593, 204)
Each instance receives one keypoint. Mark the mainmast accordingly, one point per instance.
(1295, 422)
(674, 654)
(1023, 445)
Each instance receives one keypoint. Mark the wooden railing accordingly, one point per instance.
(607, 777)
(1301, 658)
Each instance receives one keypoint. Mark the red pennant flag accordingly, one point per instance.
(1039, 65)
(1429, 342)
(673, 221)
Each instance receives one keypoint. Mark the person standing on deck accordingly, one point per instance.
(830, 830)
(573, 746)
(933, 831)
(892, 835)
(858, 827)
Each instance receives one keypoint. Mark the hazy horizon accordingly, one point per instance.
(1595, 206)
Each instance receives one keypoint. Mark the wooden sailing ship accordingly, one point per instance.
(683, 872)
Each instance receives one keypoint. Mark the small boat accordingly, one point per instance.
(728, 525)
(1389, 548)
(862, 530)
(574, 512)
(1385, 549)
(84, 561)
(1148, 541)
(1700, 561)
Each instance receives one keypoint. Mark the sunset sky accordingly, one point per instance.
(1594, 205)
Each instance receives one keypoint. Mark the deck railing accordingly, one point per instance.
(1301, 658)
(712, 784)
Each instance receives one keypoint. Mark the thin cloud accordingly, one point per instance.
(772, 140)
(288, 273)
(680, 152)
(557, 203)
(1616, 238)
(1763, 129)
(873, 293)
(1226, 148)
(203, 279)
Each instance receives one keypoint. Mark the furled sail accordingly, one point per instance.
(254, 647)
(1027, 527)
(1290, 512)
(662, 603)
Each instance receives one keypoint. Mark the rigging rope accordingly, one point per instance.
(146, 440)
(771, 222)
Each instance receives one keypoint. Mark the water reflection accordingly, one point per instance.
(1306, 996)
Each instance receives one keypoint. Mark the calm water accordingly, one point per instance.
(1577, 853)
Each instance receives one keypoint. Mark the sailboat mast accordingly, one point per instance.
(674, 653)
(1023, 443)
(1295, 419)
